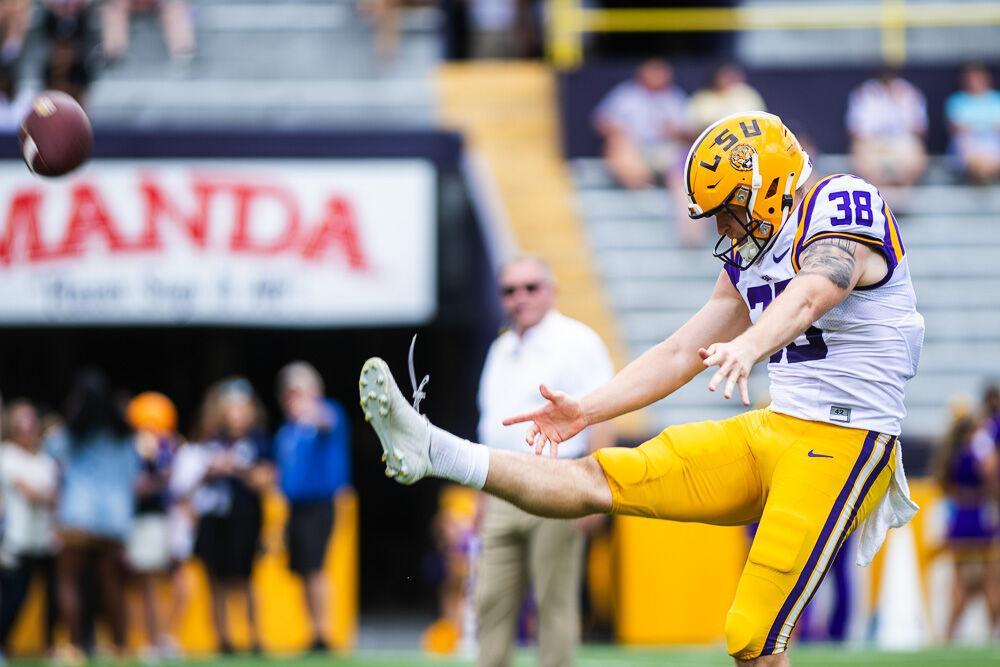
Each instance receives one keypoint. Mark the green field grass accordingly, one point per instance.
(619, 657)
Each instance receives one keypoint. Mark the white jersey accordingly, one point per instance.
(850, 366)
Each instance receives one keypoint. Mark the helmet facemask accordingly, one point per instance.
(758, 233)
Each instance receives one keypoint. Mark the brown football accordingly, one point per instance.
(55, 136)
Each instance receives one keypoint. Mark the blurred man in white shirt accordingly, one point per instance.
(887, 122)
(541, 346)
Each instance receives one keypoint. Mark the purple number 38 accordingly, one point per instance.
(861, 214)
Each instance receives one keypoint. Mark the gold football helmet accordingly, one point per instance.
(748, 161)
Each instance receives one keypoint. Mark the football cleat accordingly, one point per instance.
(404, 433)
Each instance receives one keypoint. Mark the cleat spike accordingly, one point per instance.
(368, 417)
(383, 412)
(380, 379)
(383, 399)
(363, 382)
(389, 472)
(371, 396)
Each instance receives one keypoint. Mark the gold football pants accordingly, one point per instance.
(808, 483)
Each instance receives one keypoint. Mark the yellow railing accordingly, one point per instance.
(569, 21)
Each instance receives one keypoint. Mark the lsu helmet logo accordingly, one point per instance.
(748, 164)
(741, 157)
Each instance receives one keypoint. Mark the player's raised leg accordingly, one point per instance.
(414, 448)
(703, 471)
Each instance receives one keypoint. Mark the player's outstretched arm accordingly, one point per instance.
(831, 268)
(660, 371)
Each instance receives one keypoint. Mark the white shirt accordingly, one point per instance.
(29, 527)
(648, 116)
(562, 353)
(877, 111)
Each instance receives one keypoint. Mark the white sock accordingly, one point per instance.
(458, 459)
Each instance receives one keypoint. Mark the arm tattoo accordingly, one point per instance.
(832, 258)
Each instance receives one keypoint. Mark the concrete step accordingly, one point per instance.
(946, 201)
(689, 292)
(943, 325)
(282, 103)
(958, 233)
(930, 262)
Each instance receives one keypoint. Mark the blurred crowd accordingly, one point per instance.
(106, 494)
(647, 123)
(79, 38)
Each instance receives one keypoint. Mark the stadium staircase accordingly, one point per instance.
(950, 234)
(508, 114)
(283, 63)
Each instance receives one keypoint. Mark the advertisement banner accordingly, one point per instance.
(283, 242)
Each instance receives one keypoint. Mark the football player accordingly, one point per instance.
(816, 283)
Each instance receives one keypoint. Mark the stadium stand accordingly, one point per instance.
(508, 112)
(311, 62)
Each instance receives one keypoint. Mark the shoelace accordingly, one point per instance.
(418, 390)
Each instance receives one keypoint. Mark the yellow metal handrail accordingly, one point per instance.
(569, 21)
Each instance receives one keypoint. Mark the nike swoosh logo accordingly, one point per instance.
(778, 258)
(814, 455)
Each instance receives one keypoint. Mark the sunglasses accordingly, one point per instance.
(511, 290)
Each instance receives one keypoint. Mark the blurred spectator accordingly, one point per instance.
(887, 121)
(175, 17)
(15, 18)
(228, 499)
(642, 121)
(154, 419)
(29, 481)
(312, 454)
(67, 69)
(991, 410)
(189, 467)
(385, 14)
(727, 94)
(457, 544)
(15, 102)
(541, 346)
(974, 120)
(96, 505)
(64, 19)
(503, 29)
(968, 471)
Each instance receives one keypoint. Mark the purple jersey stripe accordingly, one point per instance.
(890, 254)
(824, 538)
(882, 463)
(804, 222)
(733, 273)
(888, 250)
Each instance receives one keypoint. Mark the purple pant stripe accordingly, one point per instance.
(824, 538)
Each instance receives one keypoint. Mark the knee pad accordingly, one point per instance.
(624, 465)
(742, 640)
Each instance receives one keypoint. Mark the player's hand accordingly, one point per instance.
(734, 360)
(558, 420)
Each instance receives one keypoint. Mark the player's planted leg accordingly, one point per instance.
(414, 448)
